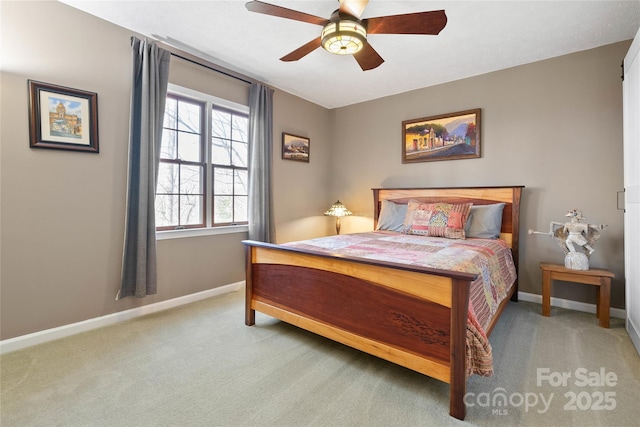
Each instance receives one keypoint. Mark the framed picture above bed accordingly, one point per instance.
(295, 147)
(444, 137)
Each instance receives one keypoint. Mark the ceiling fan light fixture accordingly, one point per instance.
(343, 37)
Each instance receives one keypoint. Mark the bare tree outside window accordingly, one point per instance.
(181, 175)
(188, 166)
(230, 149)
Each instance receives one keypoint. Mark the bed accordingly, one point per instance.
(412, 314)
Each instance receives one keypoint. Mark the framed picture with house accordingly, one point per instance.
(295, 147)
(443, 137)
(62, 118)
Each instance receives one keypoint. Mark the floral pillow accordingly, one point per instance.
(436, 219)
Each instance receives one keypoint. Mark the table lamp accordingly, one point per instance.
(338, 210)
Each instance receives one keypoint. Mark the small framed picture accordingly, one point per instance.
(62, 118)
(449, 136)
(295, 147)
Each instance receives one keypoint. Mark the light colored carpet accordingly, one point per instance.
(199, 365)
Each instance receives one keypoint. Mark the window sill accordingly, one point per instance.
(197, 232)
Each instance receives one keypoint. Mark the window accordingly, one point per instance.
(181, 174)
(202, 176)
(229, 153)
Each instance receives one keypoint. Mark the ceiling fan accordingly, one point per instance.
(344, 33)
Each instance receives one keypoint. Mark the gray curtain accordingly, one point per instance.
(148, 98)
(260, 157)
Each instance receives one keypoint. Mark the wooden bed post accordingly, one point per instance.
(458, 382)
(515, 246)
(376, 206)
(249, 313)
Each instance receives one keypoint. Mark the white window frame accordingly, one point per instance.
(209, 229)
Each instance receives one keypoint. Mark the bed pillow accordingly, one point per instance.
(391, 216)
(436, 219)
(485, 221)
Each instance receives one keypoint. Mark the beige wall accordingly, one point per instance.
(302, 190)
(554, 126)
(62, 212)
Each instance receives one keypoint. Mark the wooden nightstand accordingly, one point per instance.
(594, 276)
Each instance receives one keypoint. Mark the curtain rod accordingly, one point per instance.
(220, 71)
(206, 64)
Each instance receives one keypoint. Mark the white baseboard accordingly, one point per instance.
(40, 337)
(571, 305)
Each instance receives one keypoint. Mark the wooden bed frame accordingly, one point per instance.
(412, 316)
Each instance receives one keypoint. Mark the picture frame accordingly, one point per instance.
(62, 118)
(449, 136)
(295, 147)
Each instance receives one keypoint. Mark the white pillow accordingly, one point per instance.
(391, 216)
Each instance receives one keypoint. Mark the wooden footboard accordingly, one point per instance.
(414, 317)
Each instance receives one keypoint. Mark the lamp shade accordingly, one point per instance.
(338, 209)
(343, 37)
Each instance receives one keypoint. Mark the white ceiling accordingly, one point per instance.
(480, 36)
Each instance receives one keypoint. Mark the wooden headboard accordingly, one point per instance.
(510, 196)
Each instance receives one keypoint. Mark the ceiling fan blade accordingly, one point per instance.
(353, 7)
(283, 12)
(302, 51)
(368, 58)
(431, 22)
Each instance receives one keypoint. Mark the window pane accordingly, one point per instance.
(191, 210)
(240, 128)
(223, 209)
(240, 154)
(168, 146)
(166, 211)
(240, 208)
(221, 124)
(221, 151)
(170, 113)
(189, 117)
(189, 147)
(240, 183)
(222, 181)
(191, 179)
(167, 179)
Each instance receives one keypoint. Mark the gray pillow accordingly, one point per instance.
(391, 216)
(485, 221)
